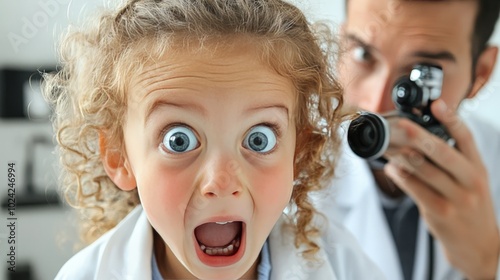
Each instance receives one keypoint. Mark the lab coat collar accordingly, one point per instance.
(356, 197)
(130, 248)
(363, 215)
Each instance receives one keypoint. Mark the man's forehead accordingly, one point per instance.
(374, 17)
(391, 8)
(395, 3)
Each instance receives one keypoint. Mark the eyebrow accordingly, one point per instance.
(358, 40)
(163, 103)
(281, 107)
(440, 55)
(201, 111)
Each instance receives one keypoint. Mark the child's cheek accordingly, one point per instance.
(165, 192)
(274, 184)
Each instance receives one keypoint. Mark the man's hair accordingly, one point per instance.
(486, 18)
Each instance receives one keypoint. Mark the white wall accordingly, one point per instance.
(27, 32)
(44, 235)
(29, 27)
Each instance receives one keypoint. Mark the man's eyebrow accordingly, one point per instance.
(441, 55)
(359, 41)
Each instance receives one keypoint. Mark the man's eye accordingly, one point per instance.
(260, 139)
(361, 54)
(180, 139)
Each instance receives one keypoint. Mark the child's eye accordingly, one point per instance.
(260, 139)
(180, 139)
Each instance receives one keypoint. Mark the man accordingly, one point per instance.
(456, 189)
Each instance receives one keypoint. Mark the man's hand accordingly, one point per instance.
(450, 187)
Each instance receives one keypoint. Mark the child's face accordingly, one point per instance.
(210, 142)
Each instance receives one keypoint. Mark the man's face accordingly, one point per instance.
(385, 38)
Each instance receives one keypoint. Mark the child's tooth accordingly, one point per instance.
(220, 251)
(223, 223)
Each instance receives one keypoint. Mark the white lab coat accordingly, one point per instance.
(125, 253)
(354, 201)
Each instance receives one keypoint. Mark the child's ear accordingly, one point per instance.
(116, 166)
(484, 67)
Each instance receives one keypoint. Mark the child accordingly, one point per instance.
(185, 129)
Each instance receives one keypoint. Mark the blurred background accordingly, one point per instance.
(45, 231)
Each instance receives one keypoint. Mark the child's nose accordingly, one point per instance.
(221, 179)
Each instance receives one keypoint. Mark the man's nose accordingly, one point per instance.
(221, 179)
(380, 100)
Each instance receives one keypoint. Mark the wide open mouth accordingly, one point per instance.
(219, 238)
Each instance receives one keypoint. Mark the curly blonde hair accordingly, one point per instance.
(89, 95)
